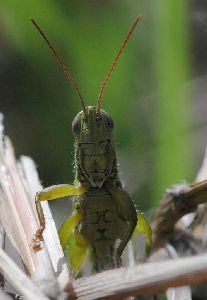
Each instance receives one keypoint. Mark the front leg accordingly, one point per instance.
(51, 193)
(59, 191)
(126, 211)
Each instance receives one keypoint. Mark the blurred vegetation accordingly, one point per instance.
(172, 120)
(146, 95)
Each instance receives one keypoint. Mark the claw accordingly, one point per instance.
(37, 239)
(38, 234)
(37, 246)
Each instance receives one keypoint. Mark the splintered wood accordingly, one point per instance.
(18, 184)
(148, 278)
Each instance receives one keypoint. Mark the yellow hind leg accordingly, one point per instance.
(144, 228)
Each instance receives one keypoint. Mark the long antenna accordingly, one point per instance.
(115, 62)
(61, 64)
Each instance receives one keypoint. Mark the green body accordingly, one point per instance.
(101, 226)
(104, 216)
(105, 225)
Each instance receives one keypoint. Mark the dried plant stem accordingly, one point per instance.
(179, 293)
(174, 206)
(29, 173)
(202, 173)
(4, 296)
(177, 202)
(2, 242)
(19, 280)
(148, 278)
(18, 186)
(2, 236)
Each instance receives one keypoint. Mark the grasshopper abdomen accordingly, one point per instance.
(101, 226)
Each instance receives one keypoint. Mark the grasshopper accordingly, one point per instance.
(104, 216)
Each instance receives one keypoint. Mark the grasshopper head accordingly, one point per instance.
(95, 154)
(92, 126)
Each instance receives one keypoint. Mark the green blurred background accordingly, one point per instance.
(156, 95)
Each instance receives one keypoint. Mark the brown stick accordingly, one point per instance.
(148, 278)
(176, 203)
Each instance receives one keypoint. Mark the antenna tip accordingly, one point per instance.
(138, 19)
(33, 21)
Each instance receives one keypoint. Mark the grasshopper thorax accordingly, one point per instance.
(95, 156)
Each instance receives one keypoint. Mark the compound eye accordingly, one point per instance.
(76, 126)
(109, 122)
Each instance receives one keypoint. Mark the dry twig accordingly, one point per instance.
(177, 202)
(18, 185)
(148, 278)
